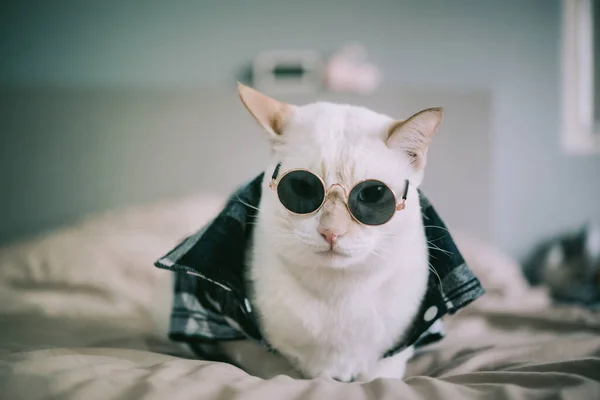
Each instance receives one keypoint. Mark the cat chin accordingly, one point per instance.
(325, 260)
(336, 261)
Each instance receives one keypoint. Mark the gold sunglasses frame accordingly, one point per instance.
(400, 205)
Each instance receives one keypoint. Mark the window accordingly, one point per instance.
(580, 52)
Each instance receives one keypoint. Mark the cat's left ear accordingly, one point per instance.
(414, 135)
(271, 114)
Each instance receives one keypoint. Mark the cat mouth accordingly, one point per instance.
(332, 252)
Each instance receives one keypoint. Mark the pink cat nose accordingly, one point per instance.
(329, 236)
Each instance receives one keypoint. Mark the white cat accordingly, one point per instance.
(332, 294)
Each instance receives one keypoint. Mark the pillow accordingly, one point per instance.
(101, 268)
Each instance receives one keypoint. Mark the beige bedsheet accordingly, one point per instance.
(83, 315)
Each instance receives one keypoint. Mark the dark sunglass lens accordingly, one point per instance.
(372, 202)
(301, 192)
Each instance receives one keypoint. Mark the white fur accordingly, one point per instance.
(335, 315)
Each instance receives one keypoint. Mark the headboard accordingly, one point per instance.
(66, 152)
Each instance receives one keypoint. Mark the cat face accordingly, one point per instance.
(343, 145)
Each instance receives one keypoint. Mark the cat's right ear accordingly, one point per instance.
(413, 136)
(271, 114)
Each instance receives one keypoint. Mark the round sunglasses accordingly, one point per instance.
(369, 202)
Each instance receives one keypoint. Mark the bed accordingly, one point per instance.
(84, 314)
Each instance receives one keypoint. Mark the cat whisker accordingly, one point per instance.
(239, 199)
(375, 253)
(434, 247)
(280, 233)
(432, 269)
(286, 222)
(275, 227)
(393, 236)
(437, 227)
(295, 154)
(430, 244)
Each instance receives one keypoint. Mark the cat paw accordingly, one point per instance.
(339, 376)
(392, 367)
(344, 379)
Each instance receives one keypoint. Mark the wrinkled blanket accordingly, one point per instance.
(92, 323)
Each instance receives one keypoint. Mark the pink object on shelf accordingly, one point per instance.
(349, 71)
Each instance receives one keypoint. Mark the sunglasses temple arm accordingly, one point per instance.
(402, 203)
(274, 176)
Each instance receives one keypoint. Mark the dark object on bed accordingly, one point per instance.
(569, 266)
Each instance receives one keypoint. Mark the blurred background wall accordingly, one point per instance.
(508, 48)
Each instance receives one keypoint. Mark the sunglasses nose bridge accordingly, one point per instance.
(339, 196)
(330, 189)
